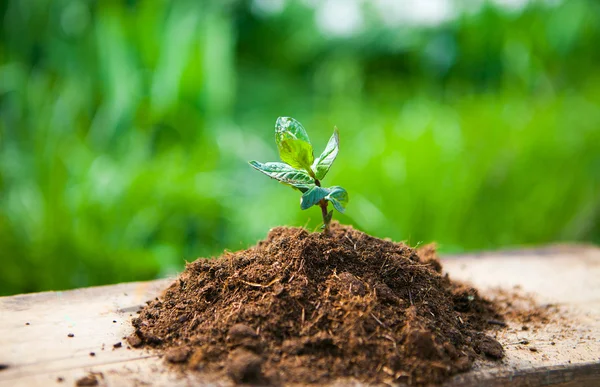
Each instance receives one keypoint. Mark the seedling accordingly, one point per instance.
(300, 170)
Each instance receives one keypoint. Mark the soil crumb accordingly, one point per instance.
(304, 307)
(516, 305)
(90, 379)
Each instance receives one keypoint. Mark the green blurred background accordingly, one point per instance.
(126, 126)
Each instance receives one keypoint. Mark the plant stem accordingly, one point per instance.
(323, 204)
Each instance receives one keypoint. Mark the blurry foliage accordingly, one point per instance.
(125, 127)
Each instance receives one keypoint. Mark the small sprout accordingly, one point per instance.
(302, 171)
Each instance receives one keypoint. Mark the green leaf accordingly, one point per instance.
(292, 127)
(338, 197)
(322, 164)
(285, 174)
(313, 196)
(293, 143)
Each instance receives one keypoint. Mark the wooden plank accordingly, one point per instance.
(40, 353)
(565, 276)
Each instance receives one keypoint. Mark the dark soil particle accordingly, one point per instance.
(117, 345)
(490, 347)
(3, 366)
(90, 379)
(177, 355)
(134, 340)
(70, 335)
(304, 307)
(244, 366)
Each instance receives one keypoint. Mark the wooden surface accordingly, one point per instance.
(35, 349)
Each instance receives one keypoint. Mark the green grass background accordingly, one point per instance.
(126, 127)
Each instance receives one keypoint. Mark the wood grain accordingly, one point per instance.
(35, 349)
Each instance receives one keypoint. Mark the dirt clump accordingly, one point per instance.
(304, 307)
(91, 379)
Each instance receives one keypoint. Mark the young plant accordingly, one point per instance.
(302, 171)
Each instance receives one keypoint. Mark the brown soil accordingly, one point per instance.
(304, 307)
(91, 379)
(523, 308)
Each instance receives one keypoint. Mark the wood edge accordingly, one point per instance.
(15, 372)
(582, 374)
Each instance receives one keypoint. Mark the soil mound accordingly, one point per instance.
(304, 307)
